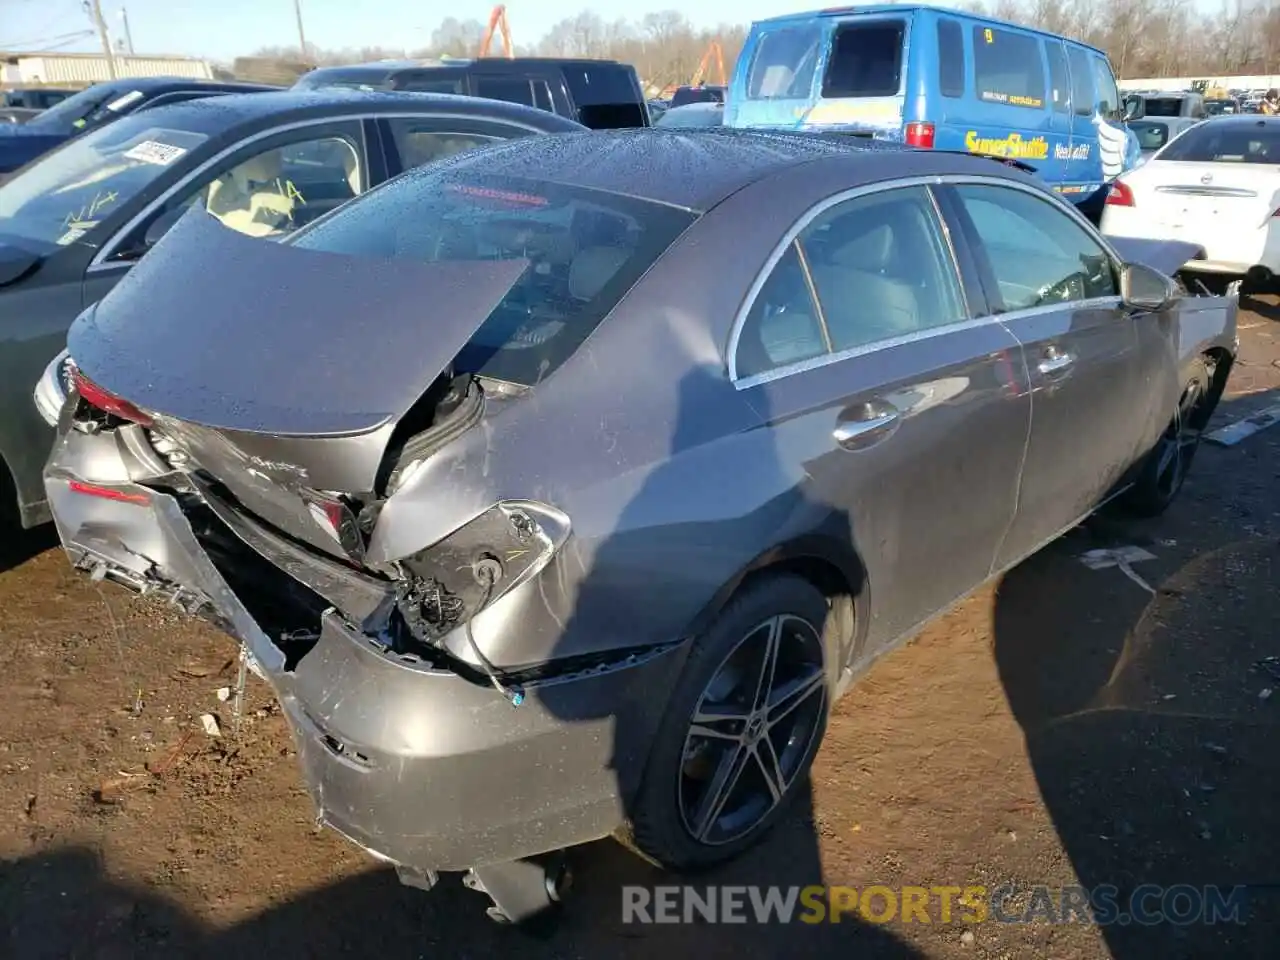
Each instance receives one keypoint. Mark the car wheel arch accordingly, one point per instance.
(833, 568)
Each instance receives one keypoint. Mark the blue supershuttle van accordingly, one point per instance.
(943, 79)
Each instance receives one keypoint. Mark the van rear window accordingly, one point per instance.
(1008, 67)
(866, 60)
(784, 63)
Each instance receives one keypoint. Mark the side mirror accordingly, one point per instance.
(1145, 288)
(161, 225)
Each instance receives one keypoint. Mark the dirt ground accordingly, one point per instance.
(1064, 727)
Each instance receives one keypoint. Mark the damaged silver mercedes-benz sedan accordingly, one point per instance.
(559, 489)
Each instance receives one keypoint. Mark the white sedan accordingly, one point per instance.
(1216, 185)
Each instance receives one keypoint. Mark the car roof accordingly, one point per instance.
(165, 84)
(212, 115)
(697, 169)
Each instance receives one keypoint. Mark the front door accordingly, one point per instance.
(1057, 291)
(861, 354)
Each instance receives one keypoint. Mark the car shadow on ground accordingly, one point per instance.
(17, 546)
(1144, 705)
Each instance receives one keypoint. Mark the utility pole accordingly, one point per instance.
(302, 36)
(128, 36)
(95, 11)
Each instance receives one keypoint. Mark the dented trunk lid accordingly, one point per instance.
(281, 371)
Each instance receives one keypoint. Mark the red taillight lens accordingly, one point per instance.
(1120, 195)
(106, 401)
(107, 493)
(920, 135)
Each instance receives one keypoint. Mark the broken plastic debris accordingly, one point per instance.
(223, 694)
(210, 725)
(1120, 557)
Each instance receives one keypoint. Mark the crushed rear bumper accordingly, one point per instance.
(417, 764)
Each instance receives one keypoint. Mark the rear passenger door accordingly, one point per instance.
(1056, 289)
(863, 354)
(414, 141)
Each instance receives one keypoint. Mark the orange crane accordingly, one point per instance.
(713, 50)
(498, 22)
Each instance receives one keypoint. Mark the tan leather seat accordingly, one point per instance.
(593, 268)
(251, 198)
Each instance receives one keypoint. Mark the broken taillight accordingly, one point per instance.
(106, 493)
(1120, 195)
(106, 401)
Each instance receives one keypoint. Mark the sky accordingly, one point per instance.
(224, 29)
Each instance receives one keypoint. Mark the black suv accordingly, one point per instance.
(601, 94)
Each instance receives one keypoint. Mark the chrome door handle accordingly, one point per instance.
(1055, 363)
(858, 434)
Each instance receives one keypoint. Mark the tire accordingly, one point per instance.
(671, 803)
(1160, 480)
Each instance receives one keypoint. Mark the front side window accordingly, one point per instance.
(1007, 67)
(784, 63)
(1059, 84)
(584, 250)
(277, 190)
(866, 60)
(1081, 82)
(71, 190)
(1104, 84)
(1038, 252)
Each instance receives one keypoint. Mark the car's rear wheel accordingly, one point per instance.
(1166, 467)
(741, 728)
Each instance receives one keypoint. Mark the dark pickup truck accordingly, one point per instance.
(600, 94)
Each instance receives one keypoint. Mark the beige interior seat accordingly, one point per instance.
(860, 302)
(252, 197)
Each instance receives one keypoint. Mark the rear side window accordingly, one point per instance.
(584, 248)
(1059, 82)
(427, 85)
(1227, 142)
(1081, 84)
(866, 60)
(511, 89)
(950, 58)
(785, 62)
(1007, 67)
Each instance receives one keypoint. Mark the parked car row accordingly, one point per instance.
(544, 517)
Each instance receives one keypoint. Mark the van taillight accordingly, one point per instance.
(920, 135)
(1120, 195)
(106, 401)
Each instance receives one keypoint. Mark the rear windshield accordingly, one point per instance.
(785, 62)
(585, 250)
(687, 95)
(865, 60)
(1227, 142)
(607, 96)
(1152, 134)
(1163, 107)
(1216, 107)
